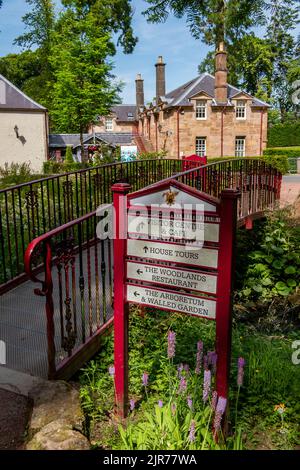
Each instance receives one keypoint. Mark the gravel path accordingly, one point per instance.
(14, 416)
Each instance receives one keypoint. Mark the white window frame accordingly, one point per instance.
(201, 105)
(108, 124)
(240, 146)
(201, 146)
(241, 110)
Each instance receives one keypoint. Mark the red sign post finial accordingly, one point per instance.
(120, 191)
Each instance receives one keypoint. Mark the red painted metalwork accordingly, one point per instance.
(224, 288)
(120, 305)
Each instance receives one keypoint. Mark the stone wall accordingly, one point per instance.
(190, 128)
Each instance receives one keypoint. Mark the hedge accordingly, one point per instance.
(289, 152)
(284, 135)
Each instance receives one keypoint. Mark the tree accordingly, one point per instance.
(40, 22)
(83, 73)
(212, 21)
(110, 16)
(284, 16)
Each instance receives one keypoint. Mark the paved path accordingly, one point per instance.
(290, 189)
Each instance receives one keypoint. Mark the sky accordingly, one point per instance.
(172, 40)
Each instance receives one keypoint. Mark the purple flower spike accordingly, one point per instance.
(205, 362)
(199, 357)
(190, 402)
(214, 400)
(186, 368)
(180, 369)
(111, 371)
(220, 410)
(192, 431)
(206, 385)
(160, 403)
(240, 377)
(171, 344)
(132, 404)
(212, 360)
(145, 378)
(182, 385)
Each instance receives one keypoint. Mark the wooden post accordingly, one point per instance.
(228, 216)
(120, 191)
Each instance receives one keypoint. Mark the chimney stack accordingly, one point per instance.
(160, 79)
(139, 88)
(221, 75)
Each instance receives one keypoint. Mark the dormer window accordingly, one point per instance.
(201, 107)
(240, 110)
(108, 124)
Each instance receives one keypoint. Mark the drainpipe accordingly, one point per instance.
(261, 132)
(156, 135)
(222, 131)
(178, 138)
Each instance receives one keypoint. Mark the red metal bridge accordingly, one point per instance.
(56, 306)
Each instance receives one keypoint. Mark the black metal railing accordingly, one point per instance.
(31, 209)
(77, 279)
(258, 182)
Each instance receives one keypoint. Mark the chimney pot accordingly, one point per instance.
(221, 93)
(139, 88)
(160, 78)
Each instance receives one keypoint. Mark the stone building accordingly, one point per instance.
(23, 128)
(205, 116)
(121, 119)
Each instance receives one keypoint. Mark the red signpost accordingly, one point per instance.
(140, 266)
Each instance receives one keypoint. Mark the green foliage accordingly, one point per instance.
(280, 162)
(274, 269)
(209, 19)
(82, 88)
(53, 168)
(14, 173)
(160, 155)
(69, 155)
(270, 379)
(111, 16)
(284, 135)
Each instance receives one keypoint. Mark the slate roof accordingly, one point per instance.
(203, 83)
(125, 112)
(13, 98)
(111, 138)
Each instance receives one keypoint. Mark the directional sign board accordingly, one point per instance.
(172, 277)
(165, 228)
(168, 300)
(173, 253)
(173, 249)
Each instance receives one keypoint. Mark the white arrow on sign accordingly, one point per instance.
(172, 277)
(168, 300)
(173, 252)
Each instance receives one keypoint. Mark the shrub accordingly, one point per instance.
(15, 173)
(274, 268)
(152, 155)
(289, 152)
(280, 162)
(284, 135)
(69, 155)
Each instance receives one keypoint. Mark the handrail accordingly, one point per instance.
(81, 170)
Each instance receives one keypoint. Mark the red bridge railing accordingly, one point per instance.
(77, 266)
(30, 209)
